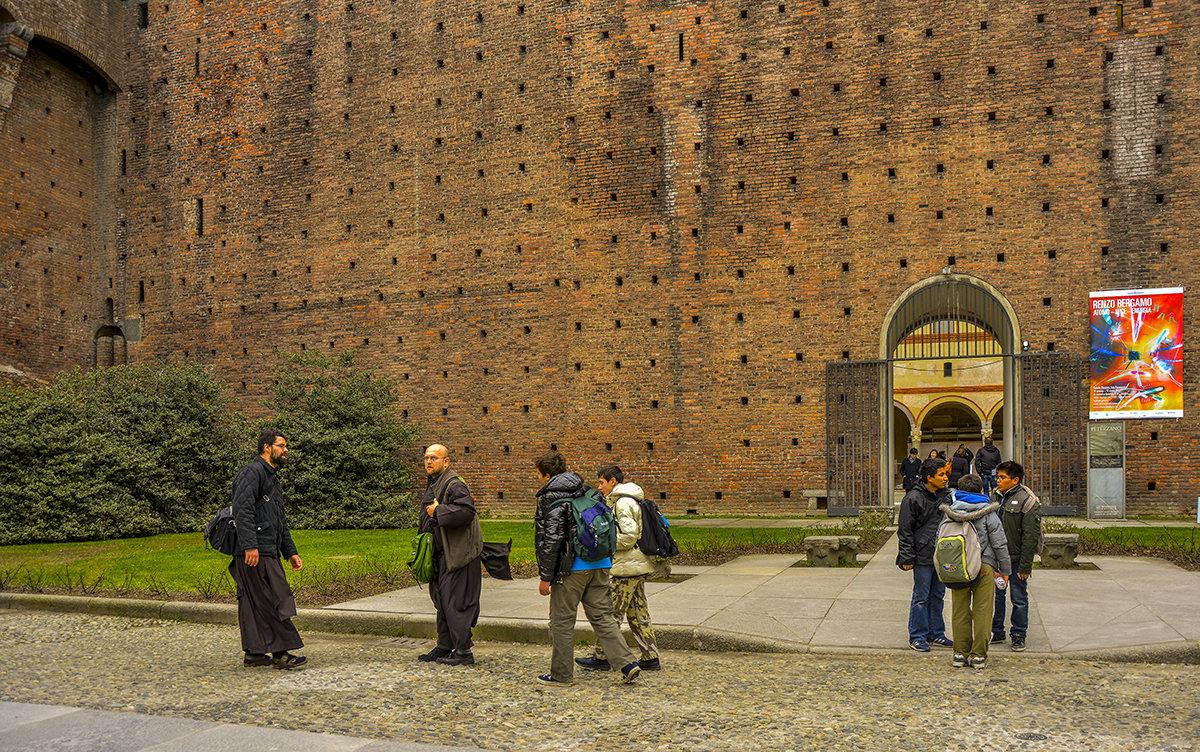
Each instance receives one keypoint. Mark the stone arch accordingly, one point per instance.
(898, 405)
(81, 63)
(109, 347)
(941, 313)
(966, 427)
(910, 310)
(955, 399)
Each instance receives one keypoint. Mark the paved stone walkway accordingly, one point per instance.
(180, 686)
(1111, 608)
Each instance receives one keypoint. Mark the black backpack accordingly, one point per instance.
(656, 539)
(220, 533)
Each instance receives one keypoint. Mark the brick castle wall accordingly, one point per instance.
(637, 230)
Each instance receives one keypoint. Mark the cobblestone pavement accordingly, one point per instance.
(372, 687)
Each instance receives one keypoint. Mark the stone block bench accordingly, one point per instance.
(1059, 550)
(831, 550)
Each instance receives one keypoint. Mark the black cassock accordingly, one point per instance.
(455, 594)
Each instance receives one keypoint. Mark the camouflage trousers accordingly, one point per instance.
(629, 602)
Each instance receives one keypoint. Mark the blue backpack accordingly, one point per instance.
(595, 528)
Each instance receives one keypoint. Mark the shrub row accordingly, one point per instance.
(144, 449)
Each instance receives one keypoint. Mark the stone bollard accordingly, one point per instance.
(831, 550)
(1059, 550)
(848, 549)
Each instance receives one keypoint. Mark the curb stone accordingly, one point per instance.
(392, 625)
(533, 632)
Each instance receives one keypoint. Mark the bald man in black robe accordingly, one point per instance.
(448, 512)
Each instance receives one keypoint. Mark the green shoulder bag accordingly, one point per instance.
(420, 559)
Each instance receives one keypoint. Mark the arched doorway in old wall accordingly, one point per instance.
(948, 342)
(949, 339)
(954, 338)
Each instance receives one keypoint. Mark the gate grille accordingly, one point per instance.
(854, 435)
(1052, 429)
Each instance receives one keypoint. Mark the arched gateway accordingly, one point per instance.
(953, 339)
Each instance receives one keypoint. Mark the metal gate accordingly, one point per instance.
(854, 435)
(1052, 429)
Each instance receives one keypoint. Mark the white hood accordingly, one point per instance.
(627, 489)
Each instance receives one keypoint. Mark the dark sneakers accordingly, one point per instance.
(288, 661)
(1018, 643)
(942, 642)
(550, 680)
(458, 659)
(650, 665)
(997, 637)
(433, 655)
(591, 663)
(631, 672)
(251, 661)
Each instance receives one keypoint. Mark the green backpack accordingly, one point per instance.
(958, 556)
(420, 559)
(595, 528)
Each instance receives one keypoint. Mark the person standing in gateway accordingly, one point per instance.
(448, 512)
(910, 470)
(265, 602)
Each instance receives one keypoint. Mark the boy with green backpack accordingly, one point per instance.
(971, 622)
(574, 539)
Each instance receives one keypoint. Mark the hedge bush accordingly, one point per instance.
(347, 465)
(144, 449)
(117, 452)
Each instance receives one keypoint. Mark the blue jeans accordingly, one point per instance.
(925, 620)
(1019, 592)
(989, 482)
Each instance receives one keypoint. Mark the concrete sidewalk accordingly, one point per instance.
(1110, 608)
(28, 727)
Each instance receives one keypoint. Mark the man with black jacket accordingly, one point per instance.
(917, 534)
(568, 579)
(265, 602)
(985, 464)
(448, 512)
(910, 470)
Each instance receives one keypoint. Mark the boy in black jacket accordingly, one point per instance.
(568, 579)
(917, 532)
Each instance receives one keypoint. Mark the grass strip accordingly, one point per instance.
(339, 565)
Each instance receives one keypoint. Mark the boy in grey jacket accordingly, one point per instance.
(971, 621)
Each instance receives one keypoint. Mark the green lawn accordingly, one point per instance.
(337, 563)
(1182, 538)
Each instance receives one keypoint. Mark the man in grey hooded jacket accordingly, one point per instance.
(971, 620)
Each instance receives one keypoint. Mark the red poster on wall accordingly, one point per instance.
(1137, 353)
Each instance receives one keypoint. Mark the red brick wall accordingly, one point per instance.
(577, 173)
(52, 277)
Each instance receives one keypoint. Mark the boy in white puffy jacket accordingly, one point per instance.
(630, 567)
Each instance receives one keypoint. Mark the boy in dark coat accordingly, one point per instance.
(917, 533)
(1021, 515)
(568, 579)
